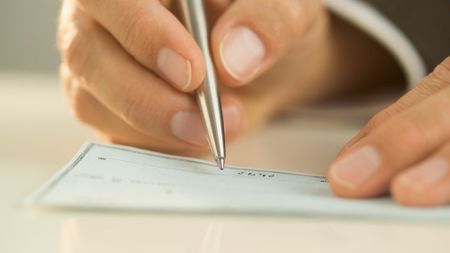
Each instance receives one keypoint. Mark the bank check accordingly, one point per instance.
(114, 177)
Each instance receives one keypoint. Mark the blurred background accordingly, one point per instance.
(35, 117)
(27, 35)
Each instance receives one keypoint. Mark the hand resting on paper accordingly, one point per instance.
(404, 149)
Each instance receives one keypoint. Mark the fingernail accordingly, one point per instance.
(188, 126)
(355, 168)
(175, 68)
(425, 174)
(242, 51)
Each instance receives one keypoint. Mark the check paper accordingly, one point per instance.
(122, 178)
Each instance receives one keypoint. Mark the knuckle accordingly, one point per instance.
(136, 24)
(287, 14)
(281, 22)
(406, 132)
(92, 4)
(377, 120)
(387, 113)
(284, 20)
(65, 79)
(442, 71)
(131, 111)
(135, 110)
(87, 2)
(440, 76)
(74, 44)
(383, 116)
(446, 63)
(80, 102)
(287, 11)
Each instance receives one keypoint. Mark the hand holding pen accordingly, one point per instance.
(131, 68)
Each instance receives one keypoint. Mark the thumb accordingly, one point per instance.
(252, 35)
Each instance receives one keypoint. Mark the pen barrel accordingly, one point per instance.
(194, 18)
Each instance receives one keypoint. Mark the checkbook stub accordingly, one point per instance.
(114, 177)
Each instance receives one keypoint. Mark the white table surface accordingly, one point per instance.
(39, 136)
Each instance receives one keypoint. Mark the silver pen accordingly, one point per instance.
(194, 18)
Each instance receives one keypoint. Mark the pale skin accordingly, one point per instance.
(129, 69)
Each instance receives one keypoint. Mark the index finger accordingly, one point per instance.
(153, 36)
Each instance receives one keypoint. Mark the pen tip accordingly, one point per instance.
(220, 163)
